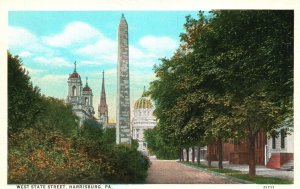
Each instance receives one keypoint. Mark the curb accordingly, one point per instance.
(219, 174)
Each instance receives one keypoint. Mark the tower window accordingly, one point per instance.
(74, 91)
(86, 101)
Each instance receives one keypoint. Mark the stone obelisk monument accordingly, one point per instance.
(123, 134)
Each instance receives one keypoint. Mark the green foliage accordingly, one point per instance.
(261, 179)
(157, 146)
(231, 77)
(56, 116)
(109, 136)
(23, 99)
(91, 129)
(46, 145)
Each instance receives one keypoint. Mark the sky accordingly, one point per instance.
(49, 42)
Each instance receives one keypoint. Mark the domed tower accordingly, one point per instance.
(87, 97)
(74, 88)
(143, 119)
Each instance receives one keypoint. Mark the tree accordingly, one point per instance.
(157, 146)
(57, 116)
(23, 99)
(233, 74)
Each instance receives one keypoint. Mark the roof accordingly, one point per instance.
(74, 75)
(143, 103)
(86, 88)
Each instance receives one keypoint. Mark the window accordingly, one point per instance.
(74, 91)
(137, 133)
(282, 138)
(273, 142)
(86, 101)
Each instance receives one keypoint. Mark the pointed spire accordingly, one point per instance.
(102, 109)
(123, 20)
(103, 88)
(86, 81)
(75, 67)
(144, 92)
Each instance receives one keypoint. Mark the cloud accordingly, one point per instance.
(104, 50)
(25, 54)
(33, 71)
(75, 33)
(54, 78)
(25, 43)
(20, 37)
(158, 45)
(53, 61)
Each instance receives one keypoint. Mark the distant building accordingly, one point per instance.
(81, 98)
(237, 151)
(280, 150)
(143, 119)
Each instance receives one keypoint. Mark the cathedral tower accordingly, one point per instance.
(80, 98)
(74, 87)
(87, 96)
(123, 134)
(102, 108)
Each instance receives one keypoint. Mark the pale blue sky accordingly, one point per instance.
(50, 41)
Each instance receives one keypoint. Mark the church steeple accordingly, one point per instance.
(102, 109)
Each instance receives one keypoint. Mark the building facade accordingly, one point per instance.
(143, 119)
(236, 151)
(280, 149)
(81, 98)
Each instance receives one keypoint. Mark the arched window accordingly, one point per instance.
(74, 91)
(86, 101)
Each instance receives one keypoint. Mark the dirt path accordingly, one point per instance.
(171, 172)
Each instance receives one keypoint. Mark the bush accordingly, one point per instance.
(36, 157)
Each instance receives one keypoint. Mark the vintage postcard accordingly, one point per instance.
(142, 94)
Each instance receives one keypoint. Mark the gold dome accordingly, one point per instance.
(143, 102)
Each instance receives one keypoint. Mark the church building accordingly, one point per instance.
(102, 108)
(81, 98)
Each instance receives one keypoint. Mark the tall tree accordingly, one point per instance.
(23, 99)
(248, 56)
(232, 76)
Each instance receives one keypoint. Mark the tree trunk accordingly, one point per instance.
(220, 152)
(251, 145)
(198, 157)
(193, 154)
(209, 155)
(182, 155)
(187, 154)
(179, 154)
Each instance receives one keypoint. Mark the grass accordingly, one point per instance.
(242, 176)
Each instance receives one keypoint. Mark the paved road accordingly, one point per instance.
(171, 172)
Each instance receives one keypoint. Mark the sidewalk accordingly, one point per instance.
(260, 169)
